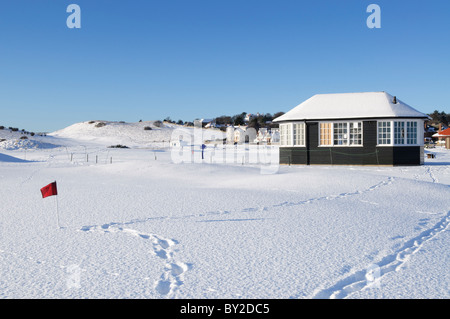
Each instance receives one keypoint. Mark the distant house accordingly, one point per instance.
(263, 136)
(444, 136)
(240, 135)
(372, 128)
(266, 136)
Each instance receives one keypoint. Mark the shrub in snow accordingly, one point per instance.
(147, 128)
(158, 124)
(118, 146)
(100, 124)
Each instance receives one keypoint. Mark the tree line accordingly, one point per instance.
(256, 121)
(439, 117)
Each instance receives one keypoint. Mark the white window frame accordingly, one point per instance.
(415, 128)
(335, 124)
(329, 138)
(389, 136)
(299, 138)
(399, 129)
(287, 138)
(404, 140)
(285, 128)
(359, 128)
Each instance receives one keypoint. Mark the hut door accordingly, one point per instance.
(311, 139)
(308, 143)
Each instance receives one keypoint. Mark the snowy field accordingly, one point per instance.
(137, 224)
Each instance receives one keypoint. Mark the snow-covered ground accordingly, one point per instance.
(135, 223)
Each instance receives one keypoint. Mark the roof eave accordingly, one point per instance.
(349, 118)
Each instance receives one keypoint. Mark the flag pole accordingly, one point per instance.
(57, 211)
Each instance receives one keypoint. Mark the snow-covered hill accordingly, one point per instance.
(140, 134)
(17, 140)
(149, 134)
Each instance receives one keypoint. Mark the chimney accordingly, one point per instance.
(394, 100)
(440, 127)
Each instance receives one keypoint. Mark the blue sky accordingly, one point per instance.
(145, 59)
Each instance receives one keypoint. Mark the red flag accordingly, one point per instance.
(49, 190)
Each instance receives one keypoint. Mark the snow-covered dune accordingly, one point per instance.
(18, 140)
(107, 133)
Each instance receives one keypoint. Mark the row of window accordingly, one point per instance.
(350, 133)
(399, 132)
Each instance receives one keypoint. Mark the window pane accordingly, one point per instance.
(289, 134)
(399, 133)
(355, 133)
(340, 134)
(384, 133)
(325, 134)
(285, 134)
(299, 133)
(411, 132)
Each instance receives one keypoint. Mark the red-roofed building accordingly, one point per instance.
(444, 135)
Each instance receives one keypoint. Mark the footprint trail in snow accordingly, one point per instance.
(173, 275)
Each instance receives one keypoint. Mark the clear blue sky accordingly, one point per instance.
(146, 59)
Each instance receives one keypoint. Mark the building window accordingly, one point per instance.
(285, 134)
(411, 133)
(355, 133)
(299, 134)
(325, 134)
(402, 133)
(340, 134)
(399, 133)
(292, 134)
(384, 133)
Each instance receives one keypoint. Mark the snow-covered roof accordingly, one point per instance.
(351, 106)
(444, 133)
